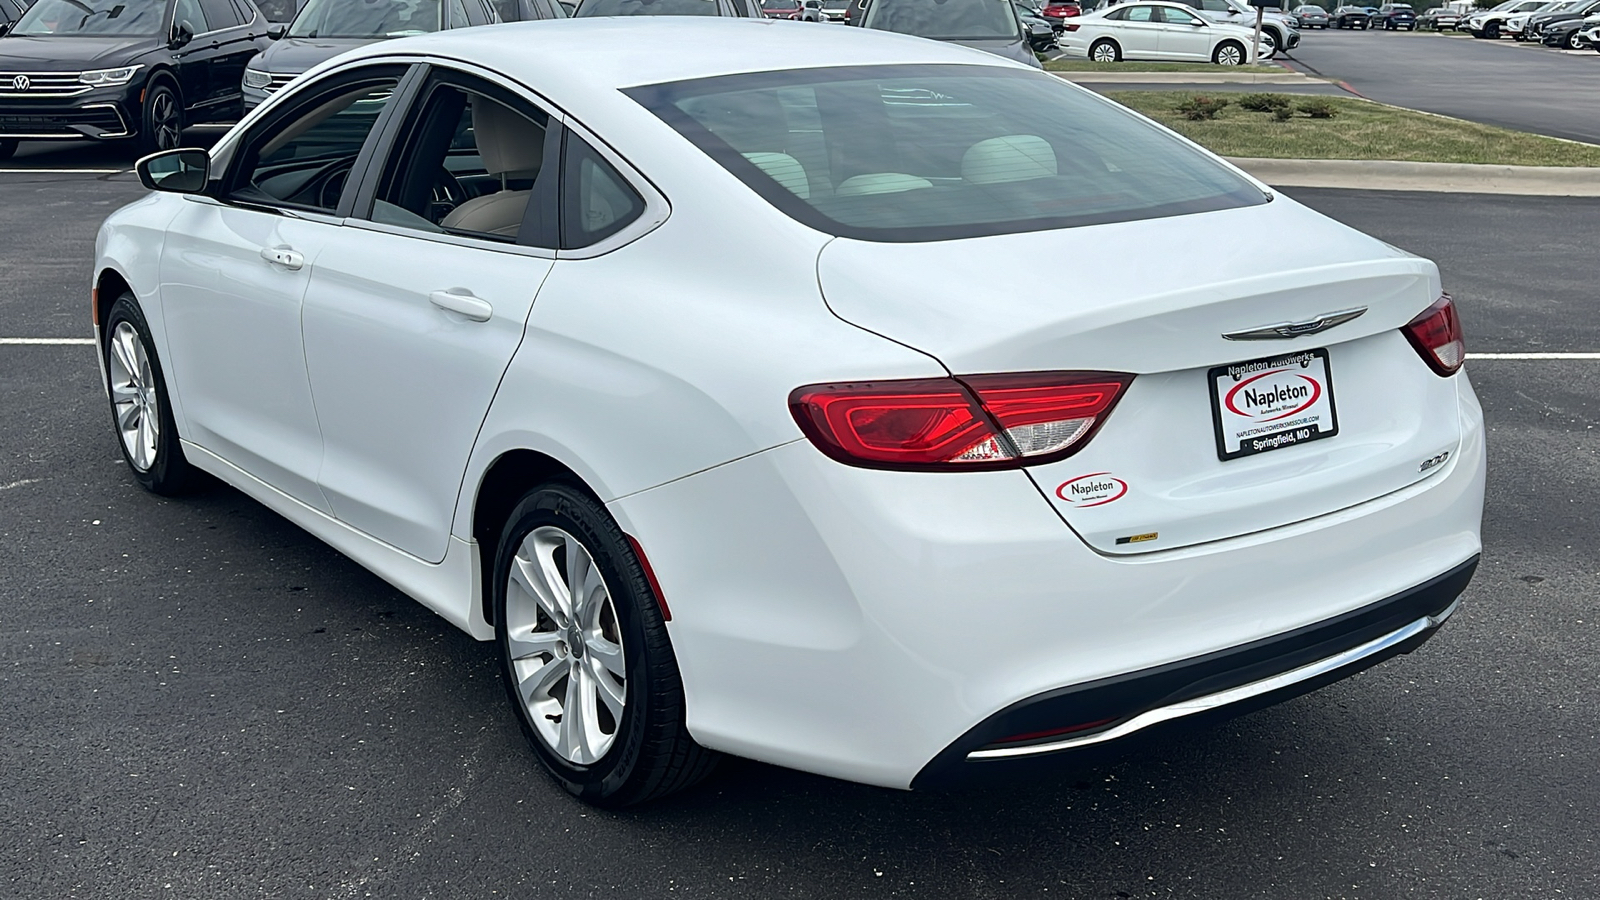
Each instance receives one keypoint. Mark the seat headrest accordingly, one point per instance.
(508, 142)
(880, 183)
(1014, 157)
(785, 170)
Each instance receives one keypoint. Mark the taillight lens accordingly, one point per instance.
(1436, 334)
(1070, 26)
(975, 422)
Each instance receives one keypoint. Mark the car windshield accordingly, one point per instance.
(366, 18)
(75, 18)
(945, 20)
(647, 8)
(921, 153)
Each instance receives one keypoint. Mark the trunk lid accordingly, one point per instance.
(1154, 298)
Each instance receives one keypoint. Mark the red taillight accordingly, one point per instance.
(1436, 334)
(1069, 26)
(976, 422)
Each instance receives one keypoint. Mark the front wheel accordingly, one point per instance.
(1228, 53)
(1271, 40)
(1491, 31)
(140, 410)
(1105, 51)
(585, 656)
(1572, 42)
(163, 119)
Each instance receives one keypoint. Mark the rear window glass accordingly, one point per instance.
(922, 153)
(647, 8)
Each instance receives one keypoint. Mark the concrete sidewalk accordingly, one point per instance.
(1450, 178)
(1287, 76)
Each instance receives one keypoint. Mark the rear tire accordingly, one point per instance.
(1105, 50)
(611, 741)
(140, 410)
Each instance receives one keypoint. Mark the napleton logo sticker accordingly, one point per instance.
(1095, 489)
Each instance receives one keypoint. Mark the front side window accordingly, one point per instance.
(945, 20)
(647, 8)
(472, 164)
(303, 159)
(367, 18)
(915, 153)
(75, 18)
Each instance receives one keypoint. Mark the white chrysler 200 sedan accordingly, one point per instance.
(706, 384)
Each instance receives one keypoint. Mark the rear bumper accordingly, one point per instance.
(1217, 685)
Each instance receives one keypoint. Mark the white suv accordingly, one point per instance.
(1277, 29)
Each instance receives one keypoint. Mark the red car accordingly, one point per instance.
(1062, 10)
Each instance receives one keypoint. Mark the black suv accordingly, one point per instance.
(124, 69)
(1395, 16)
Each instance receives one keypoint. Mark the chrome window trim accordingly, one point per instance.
(456, 240)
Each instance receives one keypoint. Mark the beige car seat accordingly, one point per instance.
(511, 146)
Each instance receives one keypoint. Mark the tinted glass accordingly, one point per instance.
(908, 153)
(1141, 14)
(944, 20)
(469, 164)
(304, 160)
(220, 14)
(366, 18)
(647, 8)
(85, 17)
(780, 4)
(1175, 16)
(596, 201)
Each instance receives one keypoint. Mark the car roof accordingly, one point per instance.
(607, 54)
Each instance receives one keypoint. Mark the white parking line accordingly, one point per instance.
(46, 342)
(1533, 356)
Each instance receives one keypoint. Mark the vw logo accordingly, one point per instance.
(21, 83)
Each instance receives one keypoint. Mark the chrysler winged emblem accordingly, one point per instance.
(21, 83)
(1286, 330)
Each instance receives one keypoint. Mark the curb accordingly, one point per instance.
(1285, 77)
(1449, 178)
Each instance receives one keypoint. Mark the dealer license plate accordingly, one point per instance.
(1272, 403)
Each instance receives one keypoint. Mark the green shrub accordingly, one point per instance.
(1263, 102)
(1283, 113)
(1319, 108)
(1199, 107)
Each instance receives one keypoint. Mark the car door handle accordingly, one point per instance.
(283, 256)
(462, 303)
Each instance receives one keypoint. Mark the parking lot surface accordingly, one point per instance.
(201, 701)
(1528, 87)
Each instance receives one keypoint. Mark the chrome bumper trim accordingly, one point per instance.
(1232, 695)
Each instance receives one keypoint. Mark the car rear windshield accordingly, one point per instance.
(71, 18)
(923, 153)
(944, 20)
(366, 18)
(647, 8)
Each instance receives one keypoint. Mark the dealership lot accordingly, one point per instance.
(1527, 87)
(203, 701)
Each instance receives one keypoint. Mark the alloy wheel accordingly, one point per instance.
(133, 395)
(164, 119)
(1229, 55)
(565, 645)
(1104, 53)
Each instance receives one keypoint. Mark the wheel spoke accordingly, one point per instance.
(607, 656)
(528, 643)
(145, 450)
(533, 578)
(574, 730)
(579, 569)
(124, 354)
(608, 690)
(127, 415)
(536, 685)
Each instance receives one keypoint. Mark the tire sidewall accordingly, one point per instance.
(571, 510)
(1116, 51)
(148, 141)
(169, 473)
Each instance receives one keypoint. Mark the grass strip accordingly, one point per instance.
(1360, 130)
(1084, 65)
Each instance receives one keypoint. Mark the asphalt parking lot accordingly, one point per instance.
(201, 701)
(1524, 86)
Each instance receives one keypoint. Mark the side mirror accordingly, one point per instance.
(277, 30)
(182, 171)
(182, 34)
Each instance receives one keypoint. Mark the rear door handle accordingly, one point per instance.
(292, 260)
(462, 303)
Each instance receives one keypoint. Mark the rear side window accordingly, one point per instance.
(596, 201)
(920, 153)
(220, 14)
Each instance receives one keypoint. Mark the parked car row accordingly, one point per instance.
(1563, 24)
(1390, 16)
